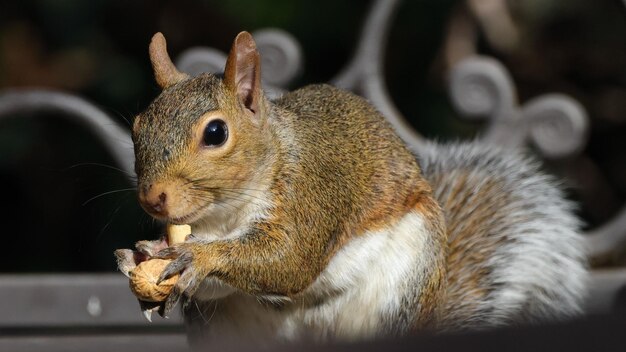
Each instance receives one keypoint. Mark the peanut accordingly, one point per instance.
(143, 277)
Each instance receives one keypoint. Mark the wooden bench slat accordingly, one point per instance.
(95, 343)
(102, 299)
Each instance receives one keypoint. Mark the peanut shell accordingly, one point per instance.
(144, 277)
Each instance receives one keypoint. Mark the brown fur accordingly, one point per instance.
(471, 206)
(429, 311)
(165, 73)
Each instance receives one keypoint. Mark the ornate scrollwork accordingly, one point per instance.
(281, 57)
(481, 87)
(115, 138)
(557, 125)
(195, 61)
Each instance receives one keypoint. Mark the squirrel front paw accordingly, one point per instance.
(127, 261)
(151, 248)
(184, 257)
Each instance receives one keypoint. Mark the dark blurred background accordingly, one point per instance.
(57, 213)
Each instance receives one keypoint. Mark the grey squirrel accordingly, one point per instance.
(312, 220)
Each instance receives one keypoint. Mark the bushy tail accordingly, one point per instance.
(515, 249)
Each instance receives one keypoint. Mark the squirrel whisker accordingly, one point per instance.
(112, 217)
(223, 205)
(126, 173)
(109, 192)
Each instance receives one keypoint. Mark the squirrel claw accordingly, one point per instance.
(167, 253)
(170, 302)
(126, 261)
(147, 308)
(176, 266)
(185, 287)
(147, 314)
(162, 312)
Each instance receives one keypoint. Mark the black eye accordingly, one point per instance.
(215, 133)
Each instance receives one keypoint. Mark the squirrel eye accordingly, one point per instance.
(215, 133)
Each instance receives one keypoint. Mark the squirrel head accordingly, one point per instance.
(202, 145)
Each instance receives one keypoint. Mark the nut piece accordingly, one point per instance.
(144, 277)
(177, 233)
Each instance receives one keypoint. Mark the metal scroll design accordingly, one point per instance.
(555, 124)
(281, 59)
(115, 138)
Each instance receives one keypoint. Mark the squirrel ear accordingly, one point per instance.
(165, 72)
(242, 74)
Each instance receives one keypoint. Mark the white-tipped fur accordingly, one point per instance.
(538, 272)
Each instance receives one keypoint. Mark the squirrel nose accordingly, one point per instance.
(154, 199)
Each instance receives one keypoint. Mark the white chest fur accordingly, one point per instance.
(363, 284)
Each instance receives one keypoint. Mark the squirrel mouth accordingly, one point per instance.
(185, 219)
